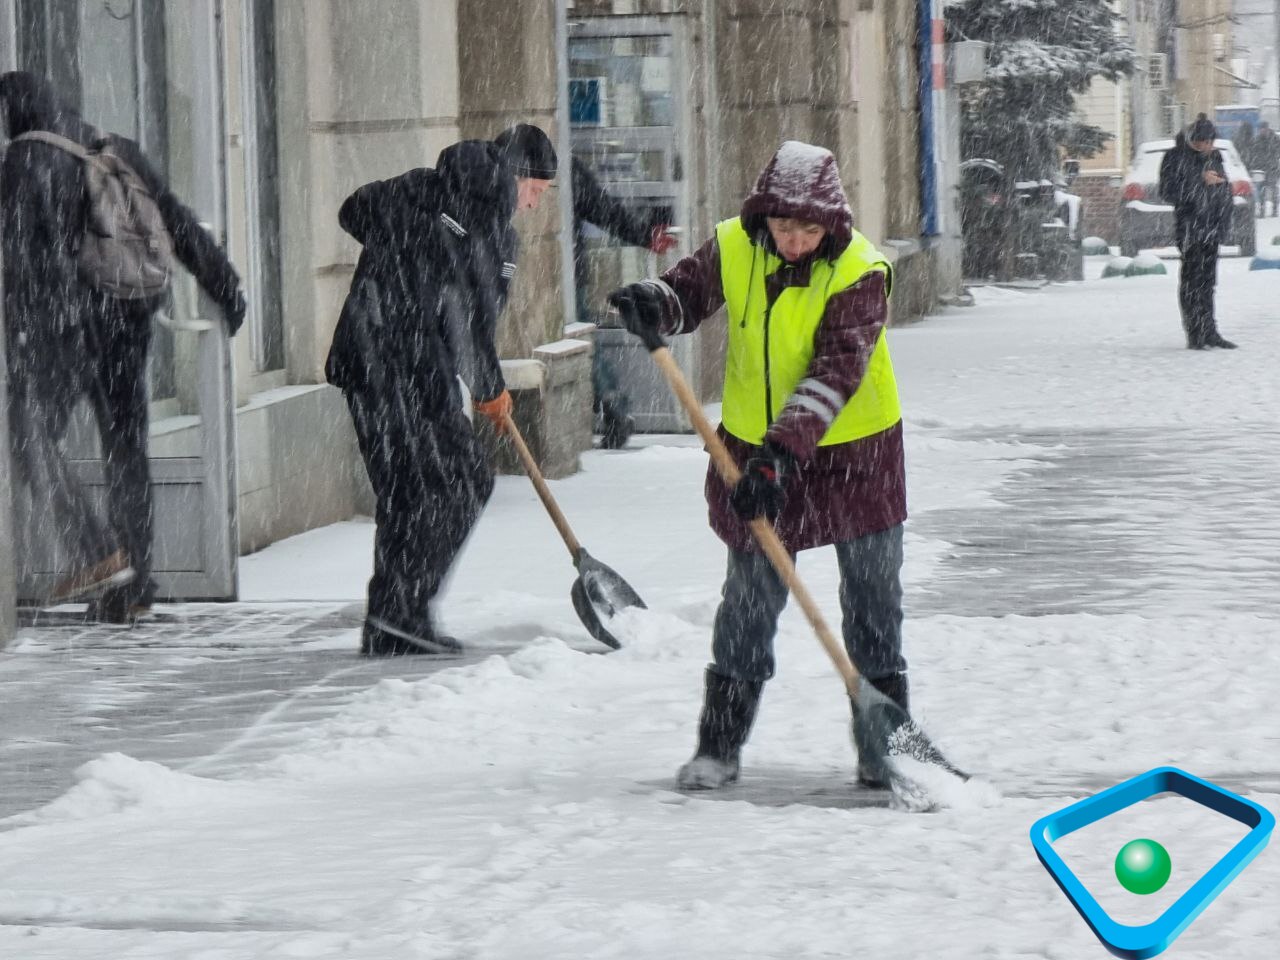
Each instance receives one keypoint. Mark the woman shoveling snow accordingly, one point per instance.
(812, 423)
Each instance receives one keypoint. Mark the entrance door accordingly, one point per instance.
(627, 111)
(150, 69)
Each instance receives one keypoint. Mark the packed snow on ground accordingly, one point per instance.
(521, 806)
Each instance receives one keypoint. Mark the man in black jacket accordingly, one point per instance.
(594, 205)
(68, 340)
(1194, 180)
(439, 254)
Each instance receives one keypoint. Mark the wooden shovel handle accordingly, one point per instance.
(540, 485)
(760, 527)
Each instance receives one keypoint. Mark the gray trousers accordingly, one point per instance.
(870, 600)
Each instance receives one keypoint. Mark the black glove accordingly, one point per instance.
(761, 492)
(640, 307)
(233, 312)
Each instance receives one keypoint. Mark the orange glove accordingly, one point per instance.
(497, 410)
(660, 241)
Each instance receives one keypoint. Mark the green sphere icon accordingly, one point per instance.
(1143, 866)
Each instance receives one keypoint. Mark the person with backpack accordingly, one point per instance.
(1194, 181)
(90, 236)
(414, 341)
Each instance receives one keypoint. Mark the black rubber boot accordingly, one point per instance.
(871, 771)
(1215, 339)
(728, 711)
(616, 424)
(382, 639)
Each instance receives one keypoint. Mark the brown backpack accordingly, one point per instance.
(126, 251)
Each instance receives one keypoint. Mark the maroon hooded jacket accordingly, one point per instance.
(839, 492)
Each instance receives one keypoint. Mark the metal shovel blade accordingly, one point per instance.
(598, 595)
(883, 732)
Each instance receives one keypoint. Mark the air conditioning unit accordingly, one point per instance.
(1158, 71)
(968, 61)
(1219, 46)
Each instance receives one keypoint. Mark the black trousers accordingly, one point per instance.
(49, 374)
(870, 599)
(104, 362)
(119, 400)
(431, 480)
(1196, 282)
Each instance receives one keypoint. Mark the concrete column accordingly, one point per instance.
(868, 45)
(507, 75)
(1200, 87)
(835, 109)
(765, 82)
(367, 91)
(8, 562)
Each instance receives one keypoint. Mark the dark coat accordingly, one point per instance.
(439, 254)
(593, 204)
(1202, 212)
(42, 206)
(1266, 154)
(836, 493)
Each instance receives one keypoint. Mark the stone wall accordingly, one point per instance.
(1102, 201)
(508, 76)
(358, 102)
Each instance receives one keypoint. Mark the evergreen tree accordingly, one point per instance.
(1043, 54)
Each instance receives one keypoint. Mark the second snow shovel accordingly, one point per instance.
(885, 726)
(598, 593)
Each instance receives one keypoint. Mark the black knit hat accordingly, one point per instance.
(1203, 129)
(528, 151)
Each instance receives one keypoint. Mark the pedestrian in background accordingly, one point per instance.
(1194, 180)
(1266, 159)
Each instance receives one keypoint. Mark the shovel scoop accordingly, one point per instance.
(598, 593)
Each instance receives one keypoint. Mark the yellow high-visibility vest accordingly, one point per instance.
(769, 351)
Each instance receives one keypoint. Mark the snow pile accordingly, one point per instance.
(115, 783)
(1118, 267)
(929, 787)
(1146, 265)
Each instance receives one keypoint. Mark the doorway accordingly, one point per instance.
(151, 70)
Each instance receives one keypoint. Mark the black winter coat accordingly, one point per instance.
(1266, 154)
(42, 211)
(439, 254)
(595, 205)
(1202, 212)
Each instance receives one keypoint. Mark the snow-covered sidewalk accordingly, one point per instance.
(520, 805)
